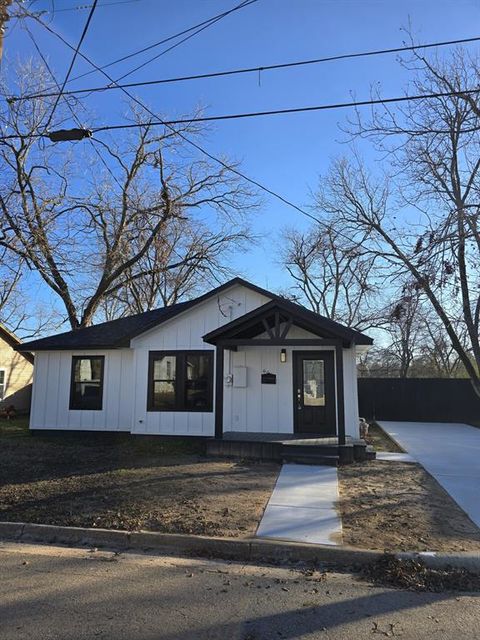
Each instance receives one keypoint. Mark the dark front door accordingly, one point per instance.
(314, 392)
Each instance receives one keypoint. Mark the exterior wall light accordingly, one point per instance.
(283, 355)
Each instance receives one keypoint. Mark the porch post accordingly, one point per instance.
(219, 364)
(340, 393)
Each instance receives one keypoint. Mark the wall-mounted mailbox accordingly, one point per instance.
(269, 378)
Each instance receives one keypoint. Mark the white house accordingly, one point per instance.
(237, 359)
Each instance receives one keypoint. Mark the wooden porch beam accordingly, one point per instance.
(286, 328)
(277, 325)
(267, 328)
(340, 394)
(219, 365)
(281, 342)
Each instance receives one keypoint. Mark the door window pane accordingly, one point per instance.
(313, 383)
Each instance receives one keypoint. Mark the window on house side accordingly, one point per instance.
(86, 391)
(180, 381)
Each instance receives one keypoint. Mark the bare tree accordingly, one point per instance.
(91, 232)
(438, 357)
(431, 230)
(403, 327)
(332, 273)
(20, 312)
(186, 259)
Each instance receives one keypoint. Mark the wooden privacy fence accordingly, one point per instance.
(418, 399)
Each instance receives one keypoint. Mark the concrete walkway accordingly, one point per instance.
(302, 507)
(450, 452)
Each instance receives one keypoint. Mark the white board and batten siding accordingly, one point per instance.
(124, 406)
(268, 408)
(256, 407)
(51, 392)
(185, 332)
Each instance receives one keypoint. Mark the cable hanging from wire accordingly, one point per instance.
(71, 109)
(207, 153)
(271, 112)
(74, 57)
(232, 72)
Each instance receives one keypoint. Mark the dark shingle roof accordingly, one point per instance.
(118, 333)
(12, 340)
(112, 334)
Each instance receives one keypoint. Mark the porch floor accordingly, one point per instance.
(307, 439)
(302, 448)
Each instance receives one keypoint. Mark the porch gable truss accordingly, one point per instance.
(275, 319)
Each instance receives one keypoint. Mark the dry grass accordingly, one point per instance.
(121, 482)
(399, 506)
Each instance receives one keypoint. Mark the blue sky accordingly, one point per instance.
(286, 153)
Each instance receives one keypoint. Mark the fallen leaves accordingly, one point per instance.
(389, 632)
(414, 575)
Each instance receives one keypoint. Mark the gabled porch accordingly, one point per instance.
(284, 371)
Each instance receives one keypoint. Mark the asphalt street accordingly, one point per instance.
(75, 594)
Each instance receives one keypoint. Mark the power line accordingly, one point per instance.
(72, 111)
(165, 40)
(272, 112)
(243, 4)
(231, 72)
(87, 6)
(186, 139)
(75, 54)
(215, 158)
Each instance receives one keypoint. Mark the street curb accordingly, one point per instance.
(244, 549)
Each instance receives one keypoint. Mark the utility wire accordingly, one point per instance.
(231, 72)
(273, 112)
(218, 160)
(180, 42)
(71, 109)
(87, 6)
(185, 138)
(243, 4)
(75, 54)
(165, 40)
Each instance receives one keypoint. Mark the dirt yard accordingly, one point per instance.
(399, 506)
(124, 483)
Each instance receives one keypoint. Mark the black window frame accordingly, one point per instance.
(181, 380)
(74, 404)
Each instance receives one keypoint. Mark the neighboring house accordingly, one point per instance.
(16, 373)
(238, 358)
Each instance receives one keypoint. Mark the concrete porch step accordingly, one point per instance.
(312, 459)
(302, 452)
(310, 449)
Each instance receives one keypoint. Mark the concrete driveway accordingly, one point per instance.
(450, 452)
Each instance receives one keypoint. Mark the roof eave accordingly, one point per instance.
(34, 348)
